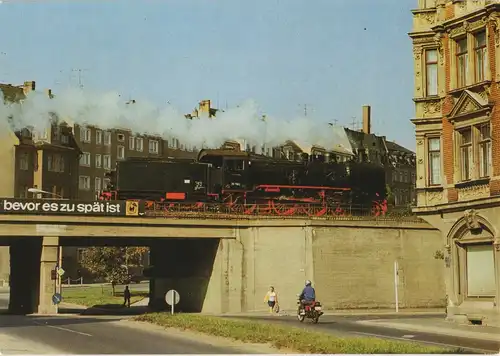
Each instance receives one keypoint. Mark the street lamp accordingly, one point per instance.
(39, 191)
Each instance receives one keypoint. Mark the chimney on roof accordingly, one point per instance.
(29, 86)
(205, 107)
(367, 121)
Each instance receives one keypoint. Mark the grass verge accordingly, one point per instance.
(101, 296)
(288, 337)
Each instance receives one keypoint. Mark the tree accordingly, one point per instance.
(112, 263)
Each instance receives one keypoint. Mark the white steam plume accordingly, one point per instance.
(109, 111)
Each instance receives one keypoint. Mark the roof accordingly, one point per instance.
(361, 140)
(393, 146)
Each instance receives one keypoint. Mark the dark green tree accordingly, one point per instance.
(112, 263)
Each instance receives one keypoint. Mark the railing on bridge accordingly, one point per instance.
(272, 209)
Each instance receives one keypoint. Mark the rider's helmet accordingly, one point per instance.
(308, 283)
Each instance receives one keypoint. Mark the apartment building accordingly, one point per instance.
(457, 101)
(101, 149)
(33, 159)
(45, 160)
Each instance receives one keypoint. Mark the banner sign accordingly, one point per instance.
(65, 207)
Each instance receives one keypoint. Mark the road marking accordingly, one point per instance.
(423, 342)
(61, 328)
(408, 336)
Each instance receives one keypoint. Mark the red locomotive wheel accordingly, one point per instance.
(284, 210)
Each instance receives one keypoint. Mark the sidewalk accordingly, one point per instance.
(354, 312)
(137, 308)
(438, 325)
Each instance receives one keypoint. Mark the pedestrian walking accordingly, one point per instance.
(126, 297)
(271, 299)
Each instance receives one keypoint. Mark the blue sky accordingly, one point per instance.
(282, 53)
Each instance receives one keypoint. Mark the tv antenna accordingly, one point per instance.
(354, 123)
(80, 74)
(305, 108)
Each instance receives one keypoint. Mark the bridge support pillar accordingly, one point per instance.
(24, 272)
(48, 262)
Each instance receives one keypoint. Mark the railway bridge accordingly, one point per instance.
(223, 261)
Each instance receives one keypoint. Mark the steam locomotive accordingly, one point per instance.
(236, 177)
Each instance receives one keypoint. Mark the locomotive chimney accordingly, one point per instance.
(28, 87)
(205, 107)
(367, 121)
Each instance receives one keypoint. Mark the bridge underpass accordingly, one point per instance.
(183, 264)
(182, 256)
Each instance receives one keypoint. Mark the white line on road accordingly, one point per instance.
(408, 336)
(423, 342)
(61, 328)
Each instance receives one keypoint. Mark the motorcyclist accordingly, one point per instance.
(308, 295)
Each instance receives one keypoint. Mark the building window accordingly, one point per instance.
(98, 161)
(97, 184)
(131, 142)
(480, 271)
(139, 144)
(107, 138)
(107, 162)
(484, 150)
(120, 152)
(434, 151)
(65, 139)
(120, 137)
(24, 162)
(84, 183)
(431, 72)
(98, 137)
(55, 163)
(85, 159)
(465, 141)
(462, 60)
(85, 135)
(153, 146)
(480, 56)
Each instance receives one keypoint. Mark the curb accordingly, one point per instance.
(432, 330)
(345, 313)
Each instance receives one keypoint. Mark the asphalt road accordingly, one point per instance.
(77, 335)
(347, 326)
(92, 335)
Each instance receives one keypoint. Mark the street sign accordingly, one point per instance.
(60, 271)
(56, 298)
(172, 297)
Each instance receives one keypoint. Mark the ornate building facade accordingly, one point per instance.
(457, 99)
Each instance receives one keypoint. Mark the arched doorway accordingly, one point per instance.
(472, 258)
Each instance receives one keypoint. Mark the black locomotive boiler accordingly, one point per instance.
(235, 177)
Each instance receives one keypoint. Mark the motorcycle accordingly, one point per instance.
(310, 311)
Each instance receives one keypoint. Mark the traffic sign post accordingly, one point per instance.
(172, 297)
(56, 298)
